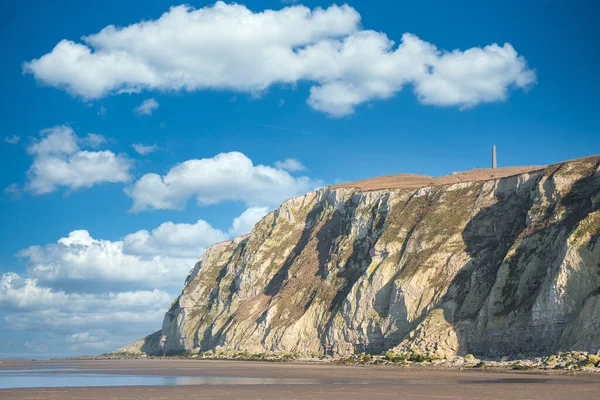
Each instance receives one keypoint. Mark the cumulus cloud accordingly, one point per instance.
(245, 222)
(59, 161)
(92, 340)
(81, 260)
(227, 176)
(78, 322)
(177, 240)
(147, 107)
(290, 164)
(147, 259)
(14, 139)
(159, 258)
(82, 294)
(20, 293)
(120, 322)
(144, 149)
(25, 294)
(229, 47)
(93, 140)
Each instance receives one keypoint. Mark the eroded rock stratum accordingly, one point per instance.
(495, 267)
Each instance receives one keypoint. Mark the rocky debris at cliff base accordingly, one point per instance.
(573, 360)
(567, 361)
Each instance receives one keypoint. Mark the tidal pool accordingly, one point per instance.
(49, 378)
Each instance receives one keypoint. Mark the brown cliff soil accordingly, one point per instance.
(413, 181)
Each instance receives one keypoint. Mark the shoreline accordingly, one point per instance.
(144, 365)
(299, 380)
(562, 361)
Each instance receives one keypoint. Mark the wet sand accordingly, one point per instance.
(310, 381)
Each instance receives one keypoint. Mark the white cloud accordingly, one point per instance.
(477, 75)
(57, 140)
(144, 149)
(78, 322)
(160, 258)
(79, 259)
(93, 140)
(245, 222)
(25, 294)
(58, 161)
(146, 107)
(88, 296)
(290, 164)
(102, 111)
(227, 46)
(227, 176)
(14, 139)
(94, 340)
(177, 240)
(85, 295)
(120, 321)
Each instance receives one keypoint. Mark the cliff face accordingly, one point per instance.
(496, 267)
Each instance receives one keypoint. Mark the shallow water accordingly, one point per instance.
(50, 378)
(184, 379)
(60, 376)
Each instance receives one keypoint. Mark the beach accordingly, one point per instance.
(204, 379)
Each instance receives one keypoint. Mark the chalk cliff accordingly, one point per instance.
(498, 266)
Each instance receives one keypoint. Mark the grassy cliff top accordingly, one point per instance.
(415, 181)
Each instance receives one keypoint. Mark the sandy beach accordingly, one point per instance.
(248, 380)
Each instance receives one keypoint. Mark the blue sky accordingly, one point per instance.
(341, 118)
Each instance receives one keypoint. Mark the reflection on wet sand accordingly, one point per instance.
(182, 379)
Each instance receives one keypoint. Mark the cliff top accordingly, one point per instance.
(413, 181)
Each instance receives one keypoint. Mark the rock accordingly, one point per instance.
(551, 361)
(146, 345)
(490, 267)
(594, 359)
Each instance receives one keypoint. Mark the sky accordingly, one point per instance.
(136, 134)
